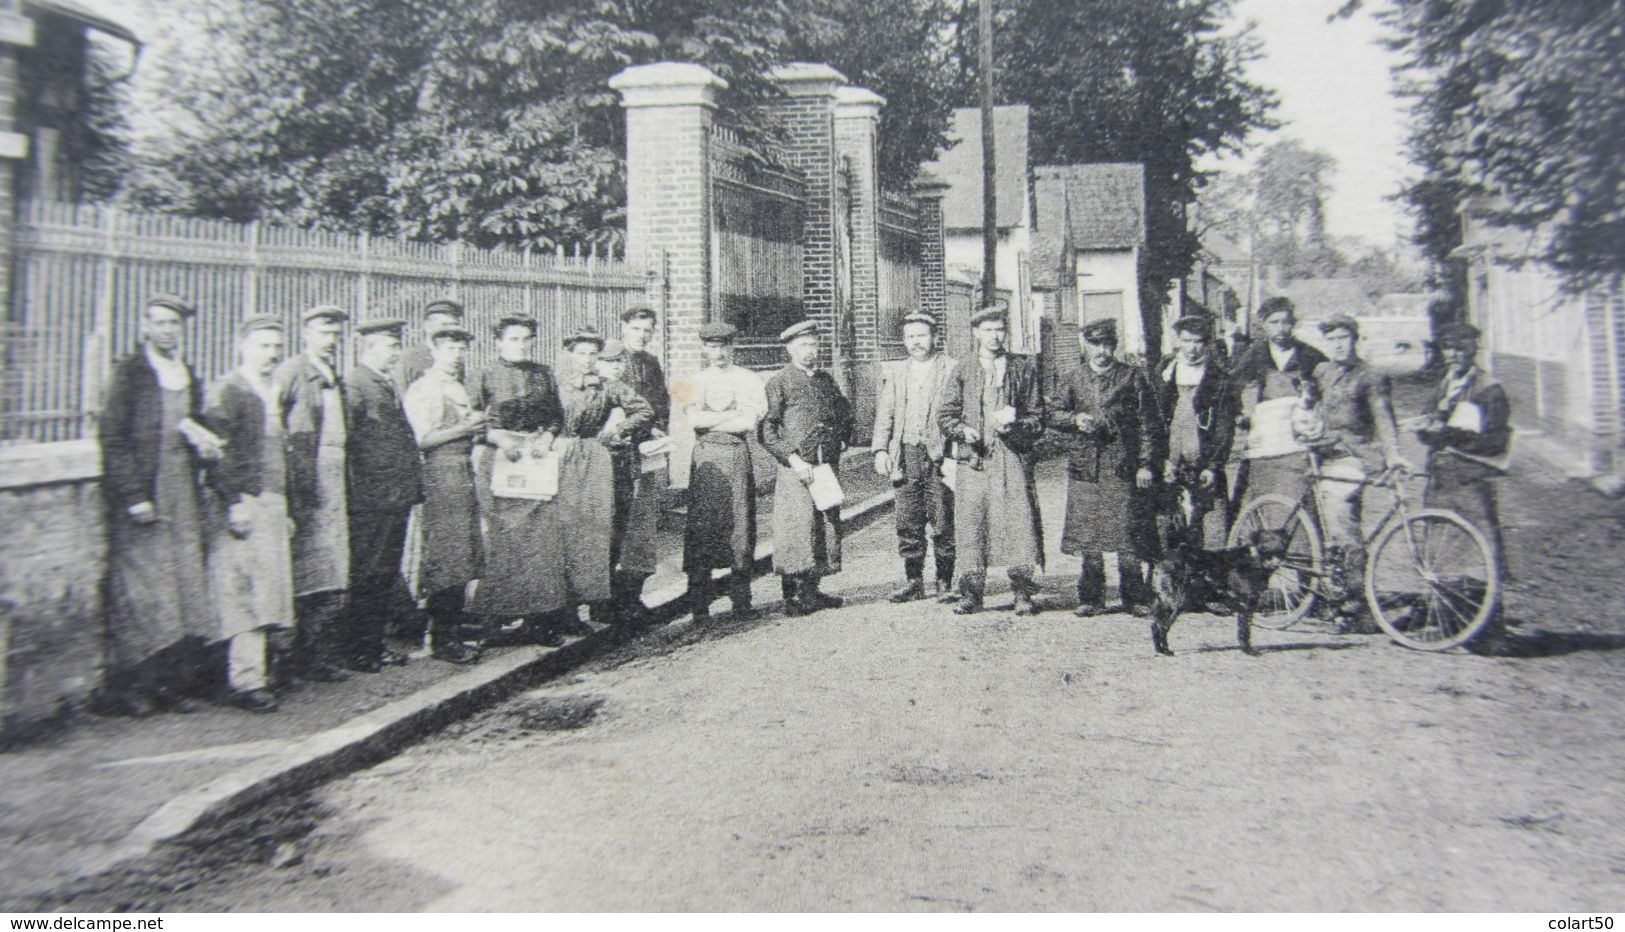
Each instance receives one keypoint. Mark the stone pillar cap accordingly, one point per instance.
(668, 84)
(859, 99)
(804, 79)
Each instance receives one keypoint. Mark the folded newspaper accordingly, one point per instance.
(825, 488)
(529, 477)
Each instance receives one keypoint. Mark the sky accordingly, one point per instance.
(1335, 92)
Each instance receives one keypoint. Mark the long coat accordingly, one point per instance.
(996, 518)
(1215, 404)
(1105, 508)
(890, 408)
(131, 429)
(586, 500)
(298, 385)
(807, 416)
(386, 469)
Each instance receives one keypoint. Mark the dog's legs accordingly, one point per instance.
(1162, 620)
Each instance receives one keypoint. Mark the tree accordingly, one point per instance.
(1159, 82)
(1518, 106)
(1279, 207)
(490, 121)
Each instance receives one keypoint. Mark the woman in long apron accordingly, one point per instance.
(598, 413)
(523, 576)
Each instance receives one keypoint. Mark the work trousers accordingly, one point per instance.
(923, 501)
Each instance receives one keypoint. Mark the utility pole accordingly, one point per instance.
(990, 203)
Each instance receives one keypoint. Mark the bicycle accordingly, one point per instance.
(1430, 578)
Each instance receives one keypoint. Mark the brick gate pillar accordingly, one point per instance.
(929, 190)
(669, 110)
(808, 115)
(857, 119)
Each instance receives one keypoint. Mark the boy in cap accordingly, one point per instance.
(386, 480)
(909, 448)
(1269, 370)
(437, 316)
(723, 404)
(992, 410)
(1109, 410)
(1197, 407)
(250, 565)
(158, 613)
(1361, 439)
(807, 424)
(1467, 432)
(445, 425)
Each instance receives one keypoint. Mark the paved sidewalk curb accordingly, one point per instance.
(378, 734)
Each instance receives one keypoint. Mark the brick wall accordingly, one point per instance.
(52, 559)
(808, 116)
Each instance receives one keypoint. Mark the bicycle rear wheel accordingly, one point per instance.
(1291, 592)
(1431, 581)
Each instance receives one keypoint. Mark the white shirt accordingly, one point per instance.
(172, 374)
(732, 389)
(994, 368)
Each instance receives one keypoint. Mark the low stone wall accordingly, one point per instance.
(53, 556)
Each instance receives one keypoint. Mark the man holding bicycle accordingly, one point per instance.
(1361, 439)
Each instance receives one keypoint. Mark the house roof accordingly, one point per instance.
(80, 13)
(961, 166)
(1093, 206)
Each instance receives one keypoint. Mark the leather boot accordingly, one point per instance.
(739, 595)
(971, 588)
(945, 581)
(913, 586)
(1023, 588)
(793, 605)
(699, 596)
(815, 600)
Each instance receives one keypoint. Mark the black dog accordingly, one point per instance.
(1189, 578)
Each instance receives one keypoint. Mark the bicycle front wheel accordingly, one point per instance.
(1431, 581)
(1291, 591)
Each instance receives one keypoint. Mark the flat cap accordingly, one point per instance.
(718, 332)
(172, 301)
(443, 306)
(614, 350)
(1338, 322)
(1199, 324)
(451, 332)
(325, 312)
(587, 334)
(637, 312)
(258, 322)
(1458, 333)
(1103, 330)
(805, 328)
(513, 320)
(1276, 305)
(919, 317)
(393, 325)
(991, 312)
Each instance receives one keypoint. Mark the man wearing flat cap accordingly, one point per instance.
(309, 401)
(437, 316)
(158, 614)
(250, 566)
(638, 559)
(807, 424)
(1196, 404)
(1468, 433)
(1272, 370)
(908, 448)
(723, 403)
(386, 480)
(1110, 414)
(1361, 439)
(992, 411)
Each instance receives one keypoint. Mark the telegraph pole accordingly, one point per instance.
(990, 204)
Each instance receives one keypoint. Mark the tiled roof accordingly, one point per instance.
(961, 166)
(1094, 206)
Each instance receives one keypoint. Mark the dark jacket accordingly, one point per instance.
(297, 386)
(386, 469)
(961, 406)
(1215, 404)
(807, 416)
(1124, 437)
(131, 430)
(1255, 367)
(644, 374)
(237, 414)
(1495, 423)
(1356, 402)
(518, 396)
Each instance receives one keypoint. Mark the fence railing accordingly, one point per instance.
(83, 273)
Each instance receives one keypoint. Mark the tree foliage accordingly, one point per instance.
(491, 121)
(1278, 208)
(1518, 104)
(1162, 83)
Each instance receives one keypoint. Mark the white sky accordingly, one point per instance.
(1334, 87)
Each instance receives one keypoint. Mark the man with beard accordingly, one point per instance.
(1110, 411)
(909, 447)
(992, 410)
